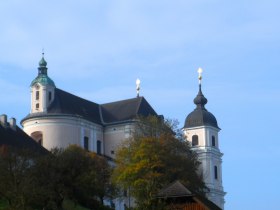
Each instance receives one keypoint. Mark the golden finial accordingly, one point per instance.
(138, 86)
(199, 74)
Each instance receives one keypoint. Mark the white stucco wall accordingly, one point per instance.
(43, 99)
(209, 156)
(115, 135)
(61, 131)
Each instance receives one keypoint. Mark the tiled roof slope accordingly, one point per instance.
(67, 103)
(126, 110)
(18, 139)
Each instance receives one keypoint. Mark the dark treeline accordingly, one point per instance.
(32, 181)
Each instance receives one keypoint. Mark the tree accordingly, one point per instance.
(74, 174)
(156, 156)
(44, 182)
(16, 183)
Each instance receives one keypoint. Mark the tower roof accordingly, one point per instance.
(200, 116)
(42, 62)
(43, 77)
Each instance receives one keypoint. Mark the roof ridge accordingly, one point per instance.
(139, 104)
(101, 114)
(123, 100)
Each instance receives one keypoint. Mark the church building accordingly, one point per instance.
(58, 119)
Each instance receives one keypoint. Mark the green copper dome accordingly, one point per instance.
(42, 78)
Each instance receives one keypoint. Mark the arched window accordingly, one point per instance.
(37, 95)
(194, 140)
(86, 143)
(98, 151)
(38, 137)
(213, 141)
(216, 172)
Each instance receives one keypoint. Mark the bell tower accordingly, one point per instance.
(202, 131)
(42, 89)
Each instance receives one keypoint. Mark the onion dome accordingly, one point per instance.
(200, 116)
(42, 77)
(42, 62)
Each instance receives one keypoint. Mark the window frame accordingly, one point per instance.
(86, 143)
(213, 141)
(98, 147)
(37, 95)
(195, 140)
(216, 172)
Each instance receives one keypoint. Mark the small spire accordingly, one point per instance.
(200, 100)
(42, 65)
(138, 87)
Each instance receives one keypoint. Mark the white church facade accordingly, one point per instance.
(58, 119)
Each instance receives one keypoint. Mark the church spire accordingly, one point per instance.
(42, 69)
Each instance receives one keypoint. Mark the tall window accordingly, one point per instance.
(50, 96)
(37, 95)
(213, 141)
(37, 106)
(216, 172)
(98, 151)
(194, 140)
(86, 143)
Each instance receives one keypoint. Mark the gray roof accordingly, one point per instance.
(200, 116)
(17, 138)
(110, 113)
(178, 190)
(67, 103)
(126, 110)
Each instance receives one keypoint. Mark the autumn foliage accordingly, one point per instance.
(156, 156)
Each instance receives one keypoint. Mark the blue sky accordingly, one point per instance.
(97, 49)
